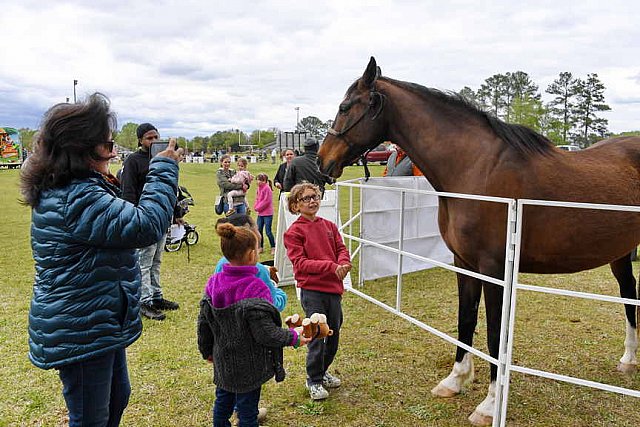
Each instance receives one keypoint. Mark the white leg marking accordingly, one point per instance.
(461, 375)
(628, 361)
(483, 415)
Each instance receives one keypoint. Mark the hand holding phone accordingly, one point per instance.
(169, 150)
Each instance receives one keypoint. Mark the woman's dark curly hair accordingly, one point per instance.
(65, 145)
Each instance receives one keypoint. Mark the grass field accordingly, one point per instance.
(388, 367)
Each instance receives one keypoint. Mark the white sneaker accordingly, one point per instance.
(317, 392)
(329, 381)
(262, 414)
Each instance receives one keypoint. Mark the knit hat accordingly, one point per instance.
(144, 128)
(310, 142)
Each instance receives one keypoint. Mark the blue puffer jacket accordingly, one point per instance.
(87, 283)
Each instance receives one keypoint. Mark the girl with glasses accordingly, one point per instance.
(320, 263)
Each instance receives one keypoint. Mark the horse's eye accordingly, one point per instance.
(343, 108)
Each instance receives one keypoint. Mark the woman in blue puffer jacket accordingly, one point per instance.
(84, 310)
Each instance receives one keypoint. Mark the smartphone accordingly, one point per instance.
(158, 146)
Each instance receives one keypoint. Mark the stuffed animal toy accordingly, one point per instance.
(312, 327)
(273, 274)
(293, 321)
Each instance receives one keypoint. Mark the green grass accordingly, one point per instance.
(388, 366)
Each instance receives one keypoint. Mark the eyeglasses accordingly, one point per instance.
(109, 145)
(308, 199)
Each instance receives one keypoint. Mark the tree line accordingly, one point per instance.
(572, 116)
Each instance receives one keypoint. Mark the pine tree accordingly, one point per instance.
(518, 88)
(491, 94)
(562, 106)
(589, 101)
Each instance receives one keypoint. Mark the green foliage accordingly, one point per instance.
(560, 107)
(492, 93)
(629, 133)
(570, 116)
(26, 136)
(262, 137)
(528, 111)
(316, 127)
(127, 137)
(589, 101)
(468, 94)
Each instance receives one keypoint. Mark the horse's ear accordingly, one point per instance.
(378, 72)
(371, 73)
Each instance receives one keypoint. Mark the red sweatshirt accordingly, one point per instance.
(315, 249)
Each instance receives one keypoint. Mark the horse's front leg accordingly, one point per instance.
(493, 294)
(469, 291)
(623, 271)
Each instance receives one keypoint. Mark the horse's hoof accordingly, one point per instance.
(627, 368)
(442, 391)
(477, 419)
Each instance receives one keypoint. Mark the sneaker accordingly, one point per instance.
(317, 392)
(262, 415)
(230, 212)
(165, 304)
(329, 381)
(150, 312)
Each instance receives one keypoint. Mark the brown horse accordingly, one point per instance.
(461, 149)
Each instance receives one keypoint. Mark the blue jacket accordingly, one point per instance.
(277, 295)
(87, 281)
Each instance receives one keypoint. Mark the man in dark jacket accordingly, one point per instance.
(305, 168)
(134, 174)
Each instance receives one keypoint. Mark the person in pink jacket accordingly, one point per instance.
(264, 207)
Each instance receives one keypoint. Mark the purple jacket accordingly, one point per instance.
(235, 283)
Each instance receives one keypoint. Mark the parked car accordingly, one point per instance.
(379, 154)
(569, 147)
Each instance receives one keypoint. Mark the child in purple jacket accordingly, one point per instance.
(240, 330)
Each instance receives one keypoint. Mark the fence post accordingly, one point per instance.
(400, 248)
(512, 254)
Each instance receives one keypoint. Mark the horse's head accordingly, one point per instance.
(359, 124)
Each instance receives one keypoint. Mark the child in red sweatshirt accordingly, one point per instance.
(320, 263)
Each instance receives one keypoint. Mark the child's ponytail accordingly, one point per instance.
(263, 177)
(235, 242)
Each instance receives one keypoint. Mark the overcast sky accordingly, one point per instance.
(197, 67)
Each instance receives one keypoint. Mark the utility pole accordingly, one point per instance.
(297, 118)
(75, 83)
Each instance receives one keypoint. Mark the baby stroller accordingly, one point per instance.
(181, 233)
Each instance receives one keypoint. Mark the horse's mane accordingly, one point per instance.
(519, 137)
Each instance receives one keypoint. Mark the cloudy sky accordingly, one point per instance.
(194, 67)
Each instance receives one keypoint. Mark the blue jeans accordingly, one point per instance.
(241, 208)
(265, 222)
(150, 258)
(245, 403)
(96, 390)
